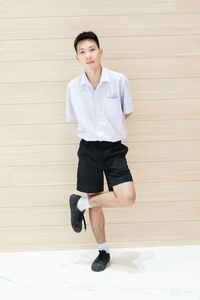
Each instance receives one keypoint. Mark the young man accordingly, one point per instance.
(100, 101)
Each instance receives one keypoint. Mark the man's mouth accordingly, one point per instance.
(90, 62)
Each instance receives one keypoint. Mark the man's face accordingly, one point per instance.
(88, 54)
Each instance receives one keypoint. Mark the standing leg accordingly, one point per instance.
(98, 226)
(97, 222)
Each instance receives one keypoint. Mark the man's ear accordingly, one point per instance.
(101, 51)
(76, 56)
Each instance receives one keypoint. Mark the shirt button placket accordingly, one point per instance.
(99, 117)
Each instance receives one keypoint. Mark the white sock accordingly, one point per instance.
(83, 203)
(104, 246)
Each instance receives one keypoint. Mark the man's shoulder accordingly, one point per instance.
(115, 75)
(74, 81)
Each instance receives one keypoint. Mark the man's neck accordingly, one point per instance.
(94, 76)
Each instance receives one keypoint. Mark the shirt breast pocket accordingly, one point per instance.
(113, 106)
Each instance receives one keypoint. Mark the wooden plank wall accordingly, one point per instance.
(156, 44)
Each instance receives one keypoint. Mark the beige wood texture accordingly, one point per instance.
(156, 44)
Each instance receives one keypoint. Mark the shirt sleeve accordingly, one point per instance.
(126, 96)
(70, 113)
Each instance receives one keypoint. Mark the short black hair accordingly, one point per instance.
(86, 35)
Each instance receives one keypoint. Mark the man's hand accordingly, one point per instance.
(127, 115)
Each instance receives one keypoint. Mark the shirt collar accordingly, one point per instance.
(104, 77)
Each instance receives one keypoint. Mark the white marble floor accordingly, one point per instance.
(153, 273)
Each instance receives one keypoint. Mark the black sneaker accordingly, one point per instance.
(77, 216)
(101, 261)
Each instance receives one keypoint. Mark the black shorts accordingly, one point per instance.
(99, 158)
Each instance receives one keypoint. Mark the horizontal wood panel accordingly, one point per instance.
(134, 69)
(142, 89)
(32, 92)
(62, 49)
(185, 6)
(54, 113)
(164, 130)
(188, 66)
(65, 133)
(187, 45)
(67, 154)
(166, 233)
(49, 8)
(119, 235)
(48, 92)
(48, 195)
(129, 47)
(69, 27)
(140, 212)
(61, 7)
(142, 172)
(187, 23)
(163, 151)
(62, 71)
(167, 110)
(188, 88)
(168, 191)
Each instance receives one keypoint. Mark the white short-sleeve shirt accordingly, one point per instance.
(99, 112)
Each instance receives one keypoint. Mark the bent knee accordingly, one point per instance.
(128, 199)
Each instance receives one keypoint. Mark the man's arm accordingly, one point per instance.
(70, 113)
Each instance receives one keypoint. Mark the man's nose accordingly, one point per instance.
(88, 54)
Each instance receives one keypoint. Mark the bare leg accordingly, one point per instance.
(97, 222)
(123, 195)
